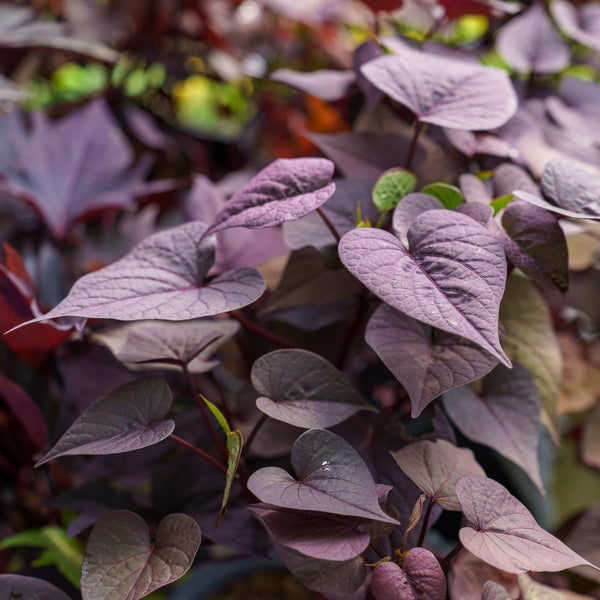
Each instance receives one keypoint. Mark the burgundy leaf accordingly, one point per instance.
(505, 416)
(285, 190)
(329, 537)
(161, 278)
(452, 276)
(436, 467)
(15, 587)
(426, 361)
(503, 533)
(445, 91)
(121, 563)
(530, 43)
(331, 478)
(581, 25)
(409, 209)
(327, 84)
(128, 418)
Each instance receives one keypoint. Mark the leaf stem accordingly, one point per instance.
(330, 225)
(205, 455)
(378, 550)
(252, 435)
(417, 129)
(445, 562)
(272, 337)
(426, 518)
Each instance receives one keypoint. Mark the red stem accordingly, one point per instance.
(267, 335)
(330, 225)
(207, 457)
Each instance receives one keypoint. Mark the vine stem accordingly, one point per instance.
(418, 128)
(272, 337)
(445, 562)
(205, 455)
(253, 433)
(425, 522)
(204, 412)
(330, 225)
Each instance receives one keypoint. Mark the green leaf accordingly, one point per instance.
(218, 415)
(234, 448)
(391, 187)
(501, 202)
(449, 195)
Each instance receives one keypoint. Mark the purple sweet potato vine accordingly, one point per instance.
(312, 357)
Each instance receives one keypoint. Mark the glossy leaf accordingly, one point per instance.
(505, 416)
(234, 449)
(128, 418)
(285, 190)
(331, 478)
(425, 360)
(303, 389)
(503, 533)
(445, 91)
(449, 195)
(32, 588)
(436, 467)
(327, 84)
(391, 187)
(161, 278)
(451, 277)
(121, 563)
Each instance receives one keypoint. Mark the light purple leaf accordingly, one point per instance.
(509, 177)
(287, 189)
(474, 190)
(494, 591)
(503, 533)
(452, 276)
(121, 563)
(436, 467)
(478, 212)
(505, 416)
(329, 537)
(583, 121)
(327, 84)
(583, 26)
(409, 209)
(475, 142)
(529, 43)
(575, 191)
(443, 91)
(331, 478)
(303, 389)
(15, 587)
(426, 361)
(128, 418)
(161, 278)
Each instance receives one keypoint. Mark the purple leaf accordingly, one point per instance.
(582, 26)
(583, 538)
(128, 418)
(287, 189)
(121, 563)
(509, 177)
(329, 537)
(67, 187)
(536, 244)
(475, 142)
(505, 416)
(161, 278)
(436, 467)
(364, 53)
(452, 276)
(303, 389)
(426, 361)
(13, 587)
(331, 478)
(409, 209)
(443, 91)
(494, 591)
(327, 84)
(503, 533)
(477, 211)
(529, 43)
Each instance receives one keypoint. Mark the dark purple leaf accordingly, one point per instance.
(128, 418)
(425, 360)
(364, 53)
(529, 43)
(327, 84)
(15, 587)
(509, 177)
(436, 467)
(331, 478)
(285, 190)
(161, 278)
(303, 389)
(494, 591)
(313, 318)
(503, 533)
(505, 416)
(452, 276)
(536, 244)
(444, 91)
(121, 563)
(582, 25)
(409, 209)
(329, 537)
(67, 187)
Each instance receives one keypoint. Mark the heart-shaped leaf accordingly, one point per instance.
(530, 43)
(331, 478)
(436, 467)
(426, 361)
(128, 418)
(445, 91)
(303, 389)
(503, 533)
(287, 189)
(121, 563)
(15, 587)
(505, 416)
(161, 278)
(452, 276)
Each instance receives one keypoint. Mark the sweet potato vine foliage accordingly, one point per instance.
(365, 351)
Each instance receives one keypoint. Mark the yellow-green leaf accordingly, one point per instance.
(449, 195)
(218, 415)
(234, 448)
